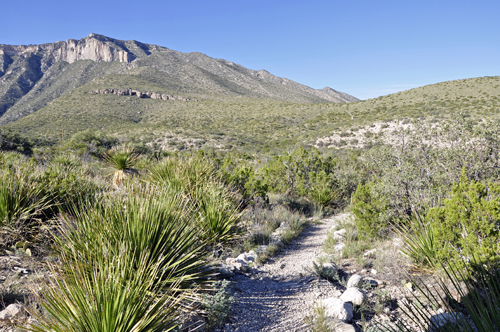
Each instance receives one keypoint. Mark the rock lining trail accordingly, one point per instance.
(277, 295)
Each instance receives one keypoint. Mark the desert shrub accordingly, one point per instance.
(418, 171)
(217, 305)
(466, 226)
(214, 204)
(370, 210)
(303, 173)
(93, 142)
(10, 141)
(241, 175)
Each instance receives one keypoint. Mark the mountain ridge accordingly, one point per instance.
(31, 76)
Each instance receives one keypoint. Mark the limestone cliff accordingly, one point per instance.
(93, 47)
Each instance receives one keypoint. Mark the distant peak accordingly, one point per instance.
(97, 36)
(327, 88)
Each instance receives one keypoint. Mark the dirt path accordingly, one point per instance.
(278, 294)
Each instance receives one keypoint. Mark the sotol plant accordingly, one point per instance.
(122, 160)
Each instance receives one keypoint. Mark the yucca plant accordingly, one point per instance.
(112, 294)
(217, 214)
(470, 299)
(158, 222)
(123, 161)
(212, 202)
(420, 244)
(186, 175)
(21, 197)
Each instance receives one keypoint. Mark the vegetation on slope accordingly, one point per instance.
(266, 127)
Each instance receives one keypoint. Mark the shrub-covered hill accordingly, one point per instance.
(264, 126)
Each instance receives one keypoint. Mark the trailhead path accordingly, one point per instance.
(277, 295)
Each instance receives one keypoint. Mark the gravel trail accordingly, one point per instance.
(278, 294)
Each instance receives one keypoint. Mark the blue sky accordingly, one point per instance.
(364, 48)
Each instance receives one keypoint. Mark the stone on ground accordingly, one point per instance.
(354, 295)
(336, 308)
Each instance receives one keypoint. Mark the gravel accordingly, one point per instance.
(277, 295)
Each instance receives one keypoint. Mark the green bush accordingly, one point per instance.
(93, 142)
(370, 210)
(466, 226)
(243, 177)
(10, 141)
(217, 305)
(303, 173)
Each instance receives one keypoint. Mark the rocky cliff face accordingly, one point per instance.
(93, 47)
(140, 94)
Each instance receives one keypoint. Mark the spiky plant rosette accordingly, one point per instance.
(108, 297)
(122, 161)
(158, 221)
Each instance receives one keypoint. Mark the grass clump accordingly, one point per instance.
(318, 320)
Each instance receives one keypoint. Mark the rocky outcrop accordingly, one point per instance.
(93, 47)
(140, 94)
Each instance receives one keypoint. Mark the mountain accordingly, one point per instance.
(175, 101)
(33, 76)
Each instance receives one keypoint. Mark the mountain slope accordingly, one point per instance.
(254, 125)
(32, 76)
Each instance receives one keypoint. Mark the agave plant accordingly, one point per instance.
(123, 161)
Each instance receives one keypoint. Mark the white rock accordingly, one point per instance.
(339, 247)
(354, 295)
(355, 281)
(247, 257)
(370, 253)
(344, 327)
(340, 234)
(336, 308)
(11, 312)
(373, 271)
